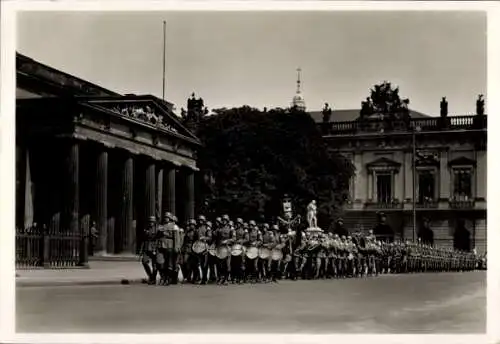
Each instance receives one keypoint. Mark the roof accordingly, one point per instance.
(347, 115)
(38, 77)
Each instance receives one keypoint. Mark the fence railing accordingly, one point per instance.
(44, 248)
(424, 124)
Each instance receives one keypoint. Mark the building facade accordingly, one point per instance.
(89, 159)
(433, 167)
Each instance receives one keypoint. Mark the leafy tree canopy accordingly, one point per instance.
(251, 158)
(385, 100)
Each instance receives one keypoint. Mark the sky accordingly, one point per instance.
(250, 58)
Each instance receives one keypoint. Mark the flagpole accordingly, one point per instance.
(164, 57)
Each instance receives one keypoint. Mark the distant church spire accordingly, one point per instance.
(298, 101)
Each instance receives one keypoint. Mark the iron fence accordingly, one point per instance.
(45, 248)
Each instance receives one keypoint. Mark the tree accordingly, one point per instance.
(251, 158)
(385, 100)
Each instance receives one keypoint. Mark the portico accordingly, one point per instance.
(109, 161)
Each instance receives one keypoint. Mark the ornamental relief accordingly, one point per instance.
(144, 114)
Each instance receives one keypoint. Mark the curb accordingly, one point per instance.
(124, 281)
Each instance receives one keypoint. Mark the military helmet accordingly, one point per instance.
(174, 218)
(265, 225)
(231, 223)
(225, 217)
(245, 225)
(218, 220)
(152, 219)
(239, 220)
(202, 218)
(209, 224)
(251, 223)
(275, 227)
(192, 222)
(168, 215)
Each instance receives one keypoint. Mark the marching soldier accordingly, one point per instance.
(204, 235)
(166, 257)
(225, 237)
(189, 267)
(149, 251)
(264, 263)
(238, 259)
(255, 240)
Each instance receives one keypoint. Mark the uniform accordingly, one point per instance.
(225, 237)
(238, 262)
(149, 251)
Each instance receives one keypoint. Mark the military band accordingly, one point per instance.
(241, 252)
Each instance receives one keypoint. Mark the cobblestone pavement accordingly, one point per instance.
(415, 303)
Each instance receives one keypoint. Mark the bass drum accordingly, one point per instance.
(264, 253)
(212, 250)
(222, 252)
(199, 247)
(277, 254)
(237, 250)
(252, 252)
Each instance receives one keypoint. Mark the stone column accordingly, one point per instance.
(189, 195)
(28, 192)
(444, 180)
(481, 173)
(169, 190)
(72, 198)
(150, 194)
(159, 192)
(128, 231)
(370, 186)
(102, 201)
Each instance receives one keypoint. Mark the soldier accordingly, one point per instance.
(166, 257)
(189, 267)
(382, 230)
(264, 264)
(149, 251)
(225, 237)
(275, 264)
(255, 240)
(238, 261)
(204, 234)
(178, 244)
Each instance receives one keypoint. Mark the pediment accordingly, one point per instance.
(384, 164)
(462, 161)
(425, 158)
(146, 110)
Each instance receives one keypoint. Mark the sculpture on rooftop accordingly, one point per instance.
(327, 113)
(444, 107)
(480, 105)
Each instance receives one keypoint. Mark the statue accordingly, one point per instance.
(366, 108)
(444, 107)
(480, 105)
(311, 214)
(327, 113)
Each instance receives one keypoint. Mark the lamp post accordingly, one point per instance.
(414, 174)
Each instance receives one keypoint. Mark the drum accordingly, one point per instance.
(199, 247)
(212, 250)
(237, 250)
(287, 259)
(276, 254)
(222, 252)
(350, 256)
(252, 252)
(264, 253)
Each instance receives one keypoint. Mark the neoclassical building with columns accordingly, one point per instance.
(88, 158)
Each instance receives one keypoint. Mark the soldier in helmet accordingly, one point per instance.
(225, 238)
(167, 257)
(238, 258)
(189, 261)
(255, 240)
(268, 242)
(204, 234)
(149, 261)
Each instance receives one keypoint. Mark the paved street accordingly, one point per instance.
(423, 303)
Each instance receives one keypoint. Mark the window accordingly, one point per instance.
(426, 186)
(462, 184)
(384, 187)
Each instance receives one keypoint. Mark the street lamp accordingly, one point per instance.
(414, 173)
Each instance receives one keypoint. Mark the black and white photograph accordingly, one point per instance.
(292, 172)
